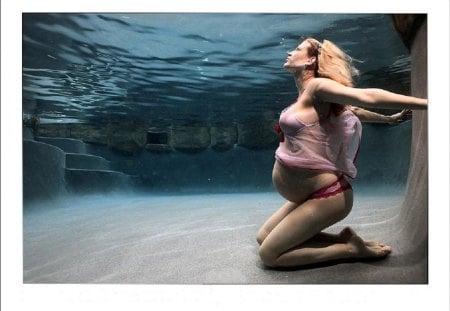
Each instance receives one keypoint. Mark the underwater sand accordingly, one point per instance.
(181, 239)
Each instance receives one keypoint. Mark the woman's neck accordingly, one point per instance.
(302, 79)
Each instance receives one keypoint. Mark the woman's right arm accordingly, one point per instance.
(331, 91)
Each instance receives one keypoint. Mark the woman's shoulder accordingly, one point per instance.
(320, 82)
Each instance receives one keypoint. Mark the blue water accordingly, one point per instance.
(210, 68)
(159, 71)
(93, 214)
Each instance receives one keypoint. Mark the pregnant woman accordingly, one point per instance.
(321, 134)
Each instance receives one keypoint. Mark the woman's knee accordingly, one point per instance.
(268, 257)
(261, 235)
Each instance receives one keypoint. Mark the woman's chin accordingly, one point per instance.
(289, 68)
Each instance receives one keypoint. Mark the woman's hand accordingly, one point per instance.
(365, 115)
(398, 117)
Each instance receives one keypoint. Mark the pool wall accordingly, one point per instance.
(413, 220)
(82, 167)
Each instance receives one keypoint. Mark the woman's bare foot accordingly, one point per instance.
(361, 249)
(347, 233)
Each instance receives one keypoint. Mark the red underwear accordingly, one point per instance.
(338, 186)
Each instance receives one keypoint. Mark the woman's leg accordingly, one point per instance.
(283, 245)
(288, 207)
(274, 220)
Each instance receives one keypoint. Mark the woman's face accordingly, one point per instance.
(298, 57)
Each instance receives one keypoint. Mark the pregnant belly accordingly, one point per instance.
(296, 185)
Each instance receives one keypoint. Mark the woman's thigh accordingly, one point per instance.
(275, 219)
(307, 220)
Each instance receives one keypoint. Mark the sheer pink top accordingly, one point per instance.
(329, 145)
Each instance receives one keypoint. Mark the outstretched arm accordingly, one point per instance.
(331, 91)
(370, 116)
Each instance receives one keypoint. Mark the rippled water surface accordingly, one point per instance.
(187, 67)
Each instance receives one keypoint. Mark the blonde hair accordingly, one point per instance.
(332, 62)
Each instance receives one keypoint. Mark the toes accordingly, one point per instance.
(386, 249)
(368, 249)
(381, 251)
(378, 251)
(373, 243)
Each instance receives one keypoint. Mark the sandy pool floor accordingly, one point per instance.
(184, 239)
